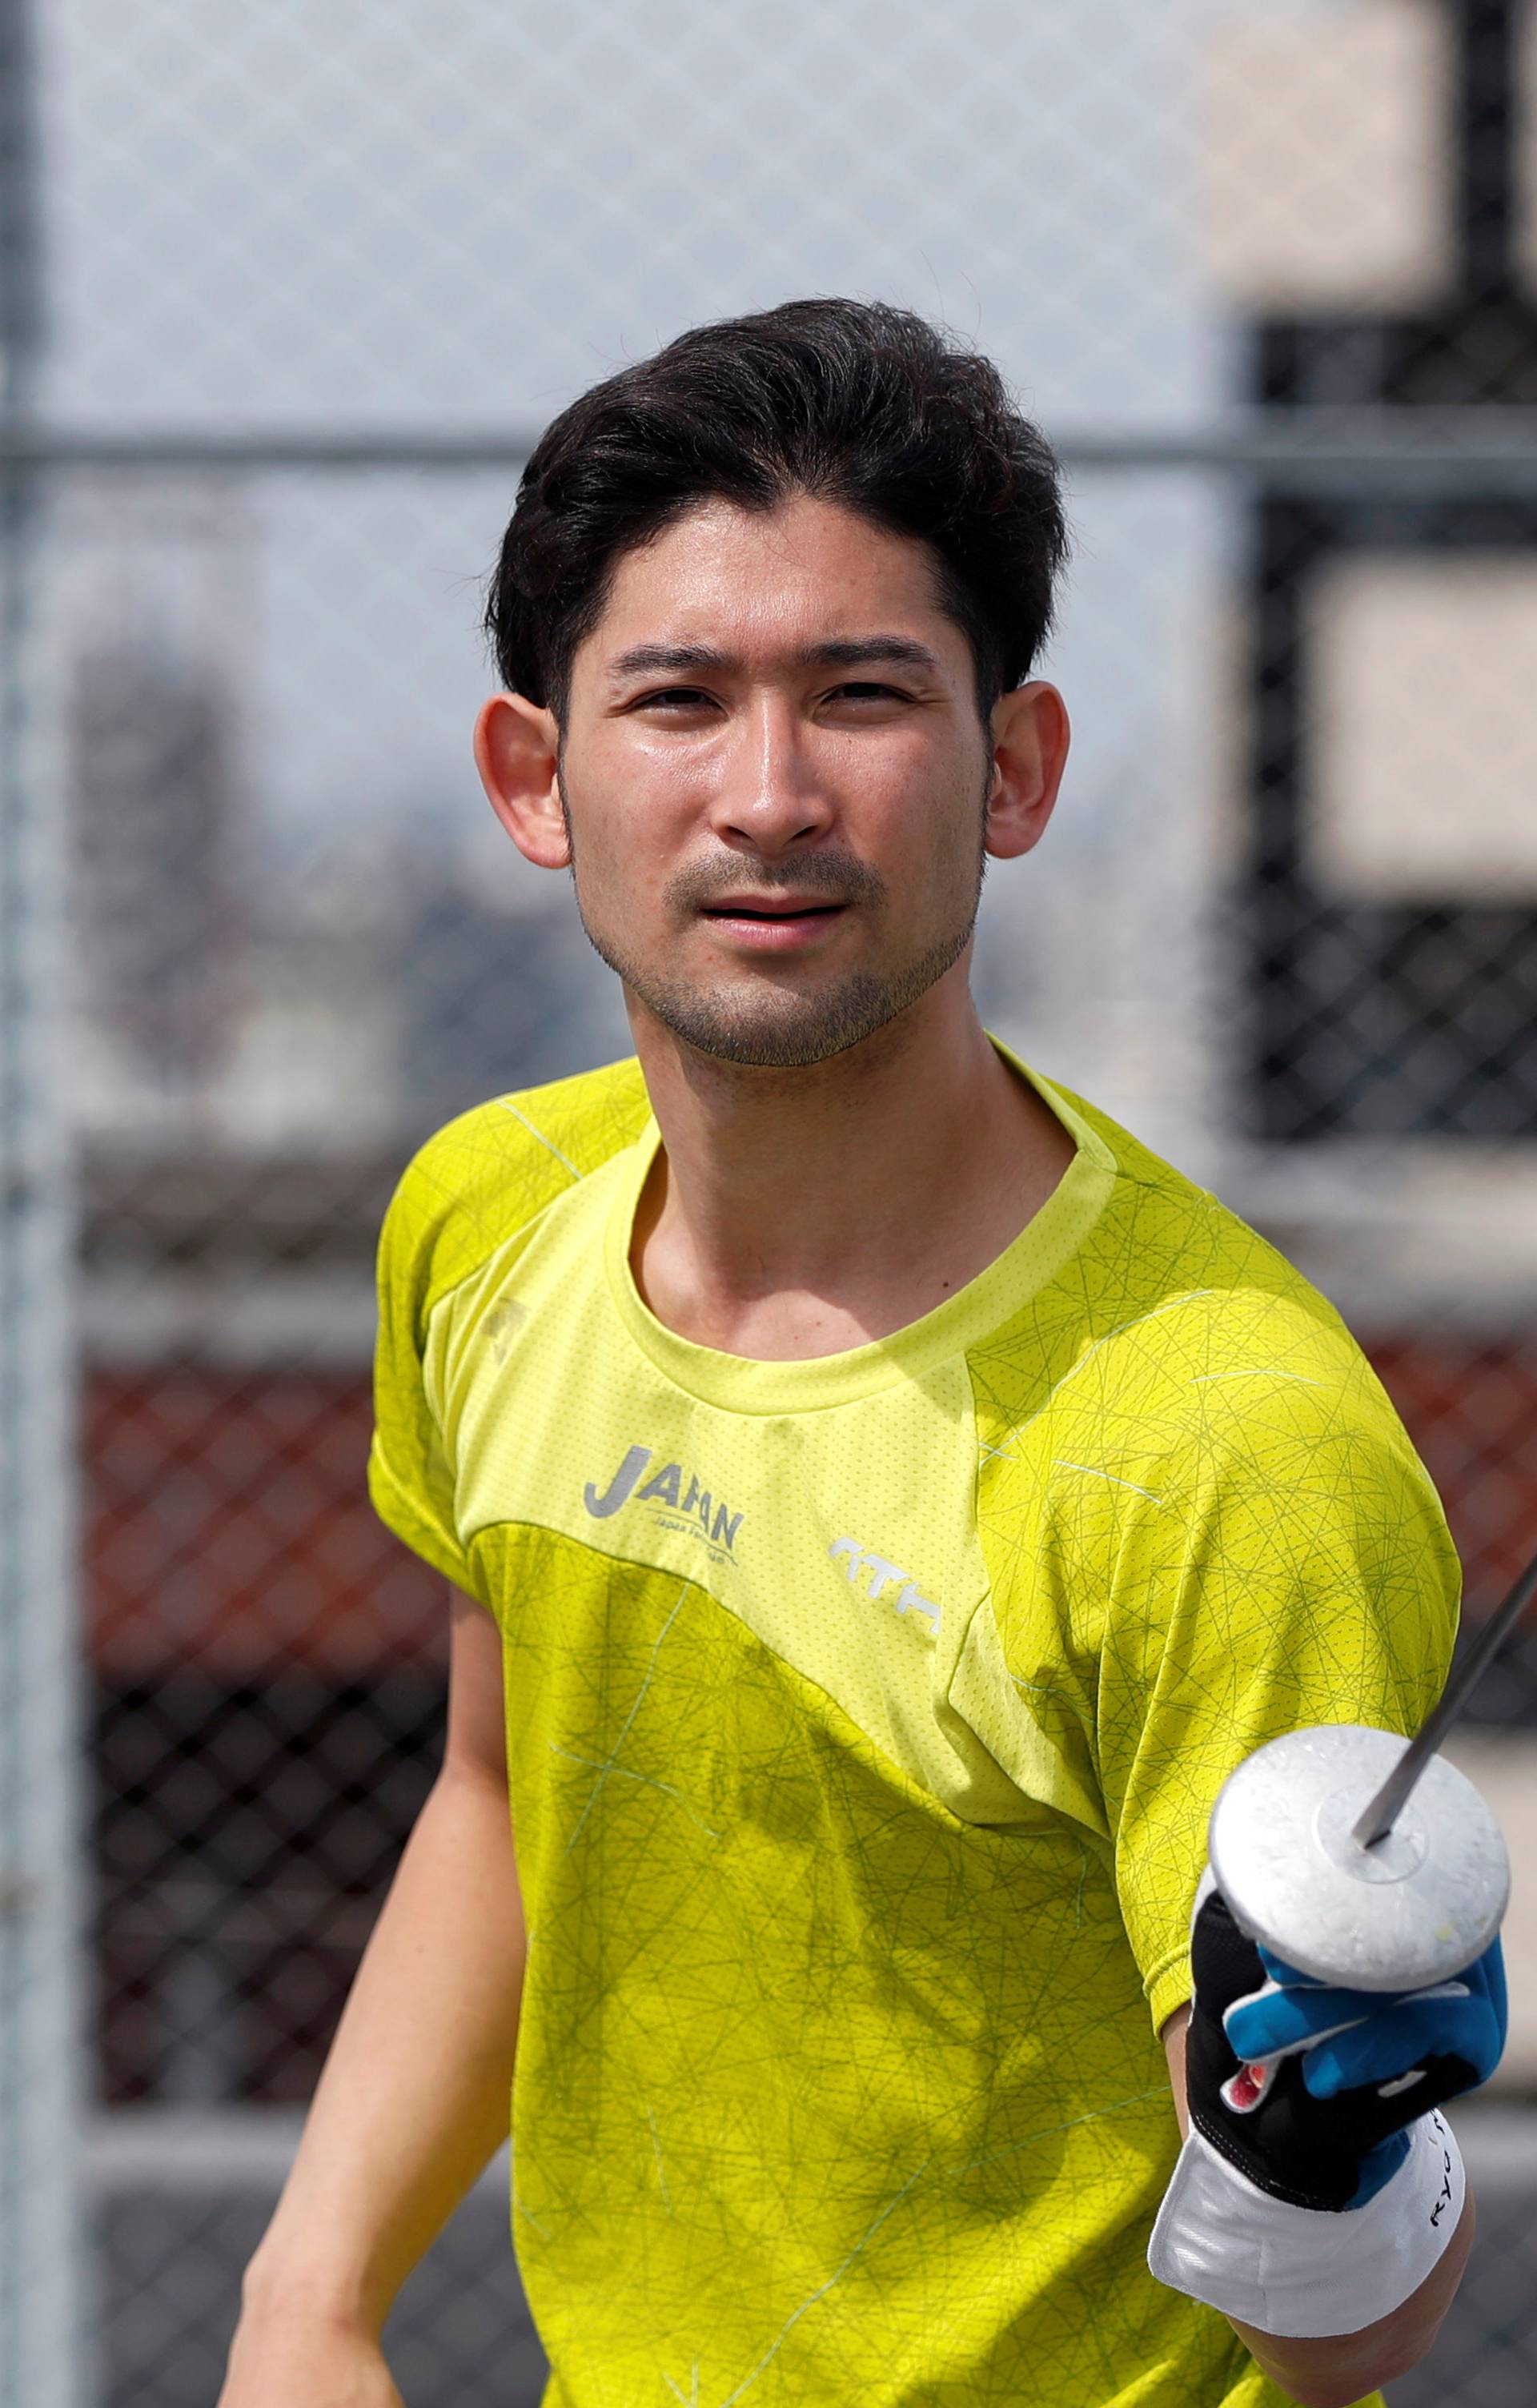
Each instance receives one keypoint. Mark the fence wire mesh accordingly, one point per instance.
(285, 300)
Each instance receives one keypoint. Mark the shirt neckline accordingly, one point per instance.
(747, 1384)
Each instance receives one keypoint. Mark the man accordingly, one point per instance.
(883, 1502)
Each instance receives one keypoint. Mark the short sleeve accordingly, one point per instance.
(1293, 1568)
(469, 1192)
(409, 1480)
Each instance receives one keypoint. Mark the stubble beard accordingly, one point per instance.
(759, 1025)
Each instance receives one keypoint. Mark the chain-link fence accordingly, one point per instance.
(286, 296)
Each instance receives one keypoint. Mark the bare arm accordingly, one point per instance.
(413, 2100)
(1337, 2372)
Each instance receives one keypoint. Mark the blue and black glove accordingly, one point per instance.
(1309, 2091)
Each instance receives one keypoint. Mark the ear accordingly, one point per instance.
(1030, 737)
(517, 747)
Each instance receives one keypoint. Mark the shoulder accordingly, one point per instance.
(1182, 1329)
(491, 1172)
(1165, 1249)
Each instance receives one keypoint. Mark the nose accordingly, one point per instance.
(771, 795)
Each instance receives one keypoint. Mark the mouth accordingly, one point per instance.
(772, 923)
(754, 907)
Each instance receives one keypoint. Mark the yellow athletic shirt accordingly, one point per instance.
(864, 1716)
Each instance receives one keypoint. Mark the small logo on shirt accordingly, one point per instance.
(501, 1325)
(681, 1505)
(885, 1575)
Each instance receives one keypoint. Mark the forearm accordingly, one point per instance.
(414, 2095)
(1345, 2368)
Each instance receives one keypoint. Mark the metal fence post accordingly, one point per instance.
(40, 2052)
(39, 1846)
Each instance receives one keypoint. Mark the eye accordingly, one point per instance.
(673, 698)
(868, 690)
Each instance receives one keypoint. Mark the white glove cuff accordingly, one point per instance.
(1303, 2272)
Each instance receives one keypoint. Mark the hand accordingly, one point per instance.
(1448, 2037)
(278, 2361)
(1308, 2090)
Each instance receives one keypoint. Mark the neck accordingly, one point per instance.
(793, 1214)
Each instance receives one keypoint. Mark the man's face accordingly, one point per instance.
(774, 778)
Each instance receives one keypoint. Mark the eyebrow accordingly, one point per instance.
(837, 652)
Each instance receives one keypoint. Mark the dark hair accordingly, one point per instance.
(856, 402)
